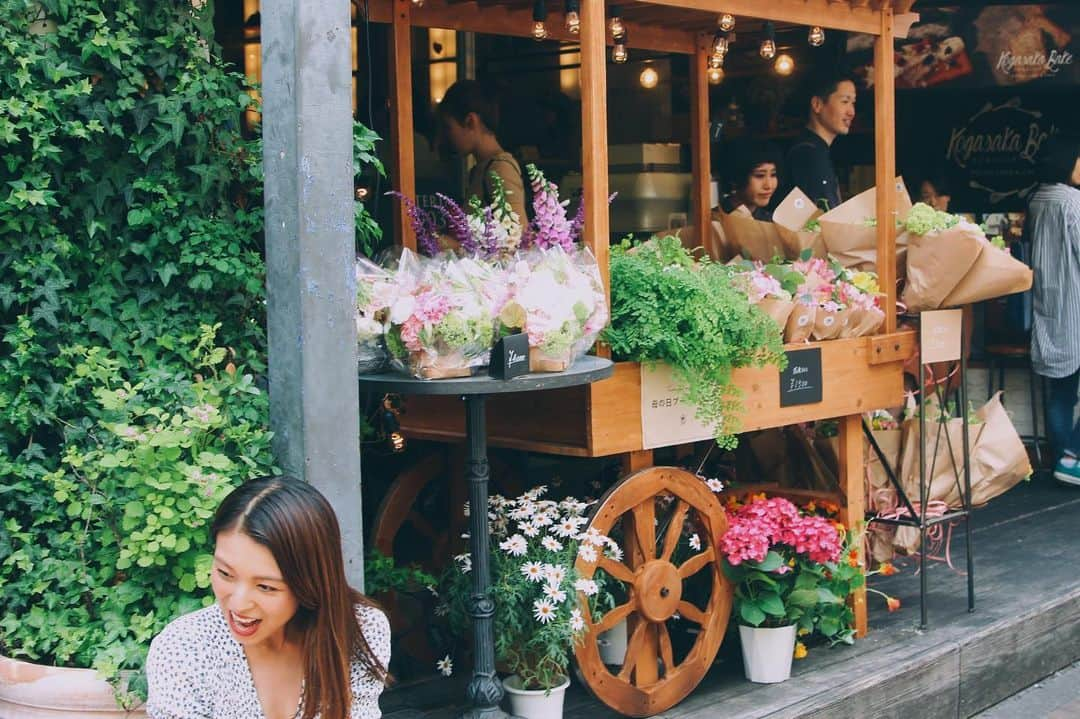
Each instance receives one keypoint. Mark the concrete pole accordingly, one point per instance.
(310, 247)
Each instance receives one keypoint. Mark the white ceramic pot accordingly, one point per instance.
(534, 703)
(767, 653)
(33, 691)
(612, 644)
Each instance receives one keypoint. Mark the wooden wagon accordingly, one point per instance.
(605, 419)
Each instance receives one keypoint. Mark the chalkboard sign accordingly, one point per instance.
(800, 383)
(510, 357)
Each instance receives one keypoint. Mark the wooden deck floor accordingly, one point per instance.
(1026, 626)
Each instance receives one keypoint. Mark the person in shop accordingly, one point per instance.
(1053, 227)
(469, 123)
(831, 110)
(934, 191)
(287, 637)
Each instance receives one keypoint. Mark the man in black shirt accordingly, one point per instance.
(831, 112)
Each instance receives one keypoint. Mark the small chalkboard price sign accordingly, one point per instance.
(510, 357)
(800, 383)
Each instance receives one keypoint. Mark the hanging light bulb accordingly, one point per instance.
(716, 75)
(649, 78)
(573, 17)
(784, 65)
(720, 43)
(619, 53)
(716, 61)
(816, 38)
(539, 16)
(727, 22)
(616, 24)
(768, 45)
(418, 3)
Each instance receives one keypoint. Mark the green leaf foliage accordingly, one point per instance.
(667, 307)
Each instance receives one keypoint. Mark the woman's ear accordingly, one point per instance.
(473, 123)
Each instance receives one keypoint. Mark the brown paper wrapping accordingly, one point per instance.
(751, 238)
(829, 324)
(800, 323)
(846, 236)
(862, 322)
(778, 309)
(995, 273)
(880, 493)
(998, 459)
(937, 262)
(790, 218)
(715, 244)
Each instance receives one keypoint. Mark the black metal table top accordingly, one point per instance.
(584, 371)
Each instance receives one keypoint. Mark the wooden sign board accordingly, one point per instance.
(800, 383)
(940, 336)
(666, 419)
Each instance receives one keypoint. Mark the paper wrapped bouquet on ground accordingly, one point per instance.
(950, 262)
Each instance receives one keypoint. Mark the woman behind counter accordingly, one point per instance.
(287, 638)
(469, 120)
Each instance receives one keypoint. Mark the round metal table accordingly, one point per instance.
(485, 691)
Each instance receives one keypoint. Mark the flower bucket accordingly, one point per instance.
(612, 644)
(34, 691)
(767, 653)
(535, 703)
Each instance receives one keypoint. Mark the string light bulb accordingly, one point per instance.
(418, 3)
(716, 75)
(573, 17)
(720, 43)
(784, 65)
(649, 78)
(768, 45)
(616, 24)
(619, 53)
(727, 22)
(539, 16)
(816, 38)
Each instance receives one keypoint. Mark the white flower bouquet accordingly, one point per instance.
(375, 291)
(557, 298)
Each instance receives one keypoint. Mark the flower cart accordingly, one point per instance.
(606, 418)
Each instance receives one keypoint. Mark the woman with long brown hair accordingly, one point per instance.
(287, 638)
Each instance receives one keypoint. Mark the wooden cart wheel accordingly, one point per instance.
(654, 677)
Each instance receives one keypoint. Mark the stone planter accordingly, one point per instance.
(34, 691)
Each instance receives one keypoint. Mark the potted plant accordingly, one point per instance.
(537, 623)
(112, 545)
(788, 575)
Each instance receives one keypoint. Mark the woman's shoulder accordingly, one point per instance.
(194, 633)
(373, 620)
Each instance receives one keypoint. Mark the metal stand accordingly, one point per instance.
(918, 517)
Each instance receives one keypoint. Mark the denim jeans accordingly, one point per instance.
(1060, 405)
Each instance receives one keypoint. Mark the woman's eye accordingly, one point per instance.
(267, 588)
(224, 574)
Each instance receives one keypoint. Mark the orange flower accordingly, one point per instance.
(810, 507)
(830, 508)
(893, 603)
(887, 569)
(853, 558)
(800, 650)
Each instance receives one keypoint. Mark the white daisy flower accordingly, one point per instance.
(573, 506)
(464, 562)
(613, 550)
(535, 493)
(445, 666)
(543, 519)
(715, 484)
(554, 573)
(523, 512)
(529, 529)
(588, 587)
(592, 536)
(695, 542)
(577, 622)
(552, 544)
(565, 528)
(587, 552)
(465, 508)
(434, 592)
(543, 610)
(441, 610)
(515, 546)
(533, 571)
(554, 594)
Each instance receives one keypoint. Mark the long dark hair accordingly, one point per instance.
(298, 525)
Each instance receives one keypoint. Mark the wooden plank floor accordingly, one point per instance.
(1026, 626)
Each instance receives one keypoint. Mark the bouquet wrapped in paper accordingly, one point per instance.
(751, 238)
(375, 292)
(834, 302)
(849, 231)
(951, 262)
(764, 287)
(557, 299)
(796, 220)
(441, 322)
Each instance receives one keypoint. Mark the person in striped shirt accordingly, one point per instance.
(1053, 226)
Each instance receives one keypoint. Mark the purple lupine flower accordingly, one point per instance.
(457, 221)
(489, 240)
(550, 226)
(427, 237)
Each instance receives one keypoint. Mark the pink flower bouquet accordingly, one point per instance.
(766, 292)
(375, 290)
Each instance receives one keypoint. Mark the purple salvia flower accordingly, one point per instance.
(427, 238)
(577, 225)
(458, 223)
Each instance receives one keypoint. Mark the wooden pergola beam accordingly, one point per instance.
(838, 16)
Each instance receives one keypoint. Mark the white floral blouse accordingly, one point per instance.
(197, 670)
